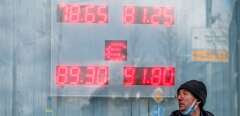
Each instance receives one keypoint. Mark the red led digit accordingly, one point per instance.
(91, 75)
(102, 75)
(74, 75)
(145, 78)
(61, 75)
(155, 18)
(129, 15)
(102, 14)
(116, 50)
(156, 76)
(145, 19)
(89, 14)
(129, 76)
(169, 78)
(74, 13)
(65, 12)
(168, 16)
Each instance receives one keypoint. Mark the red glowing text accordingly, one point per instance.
(148, 15)
(79, 75)
(116, 50)
(78, 13)
(156, 76)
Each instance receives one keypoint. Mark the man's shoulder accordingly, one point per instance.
(207, 113)
(176, 113)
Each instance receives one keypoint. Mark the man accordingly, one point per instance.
(191, 98)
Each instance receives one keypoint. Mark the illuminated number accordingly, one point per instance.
(129, 15)
(74, 13)
(155, 18)
(74, 75)
(129, 75)
(61, 75)
(65, 12)
(145, 78)
(102, 75)
(89, 15)
(102, 14)
(169, 78)
(156, 76)
(91, 75)
(145, 15)
(168, 15)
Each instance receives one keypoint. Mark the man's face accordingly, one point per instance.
(185, 99)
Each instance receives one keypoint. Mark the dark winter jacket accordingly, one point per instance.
(203, 113)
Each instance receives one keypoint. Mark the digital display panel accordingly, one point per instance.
(154, 15)
(155, 76)
(80, 13)
(81, 75)
(113, 48)
(116, 50)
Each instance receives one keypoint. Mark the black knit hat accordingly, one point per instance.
(198, 90)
